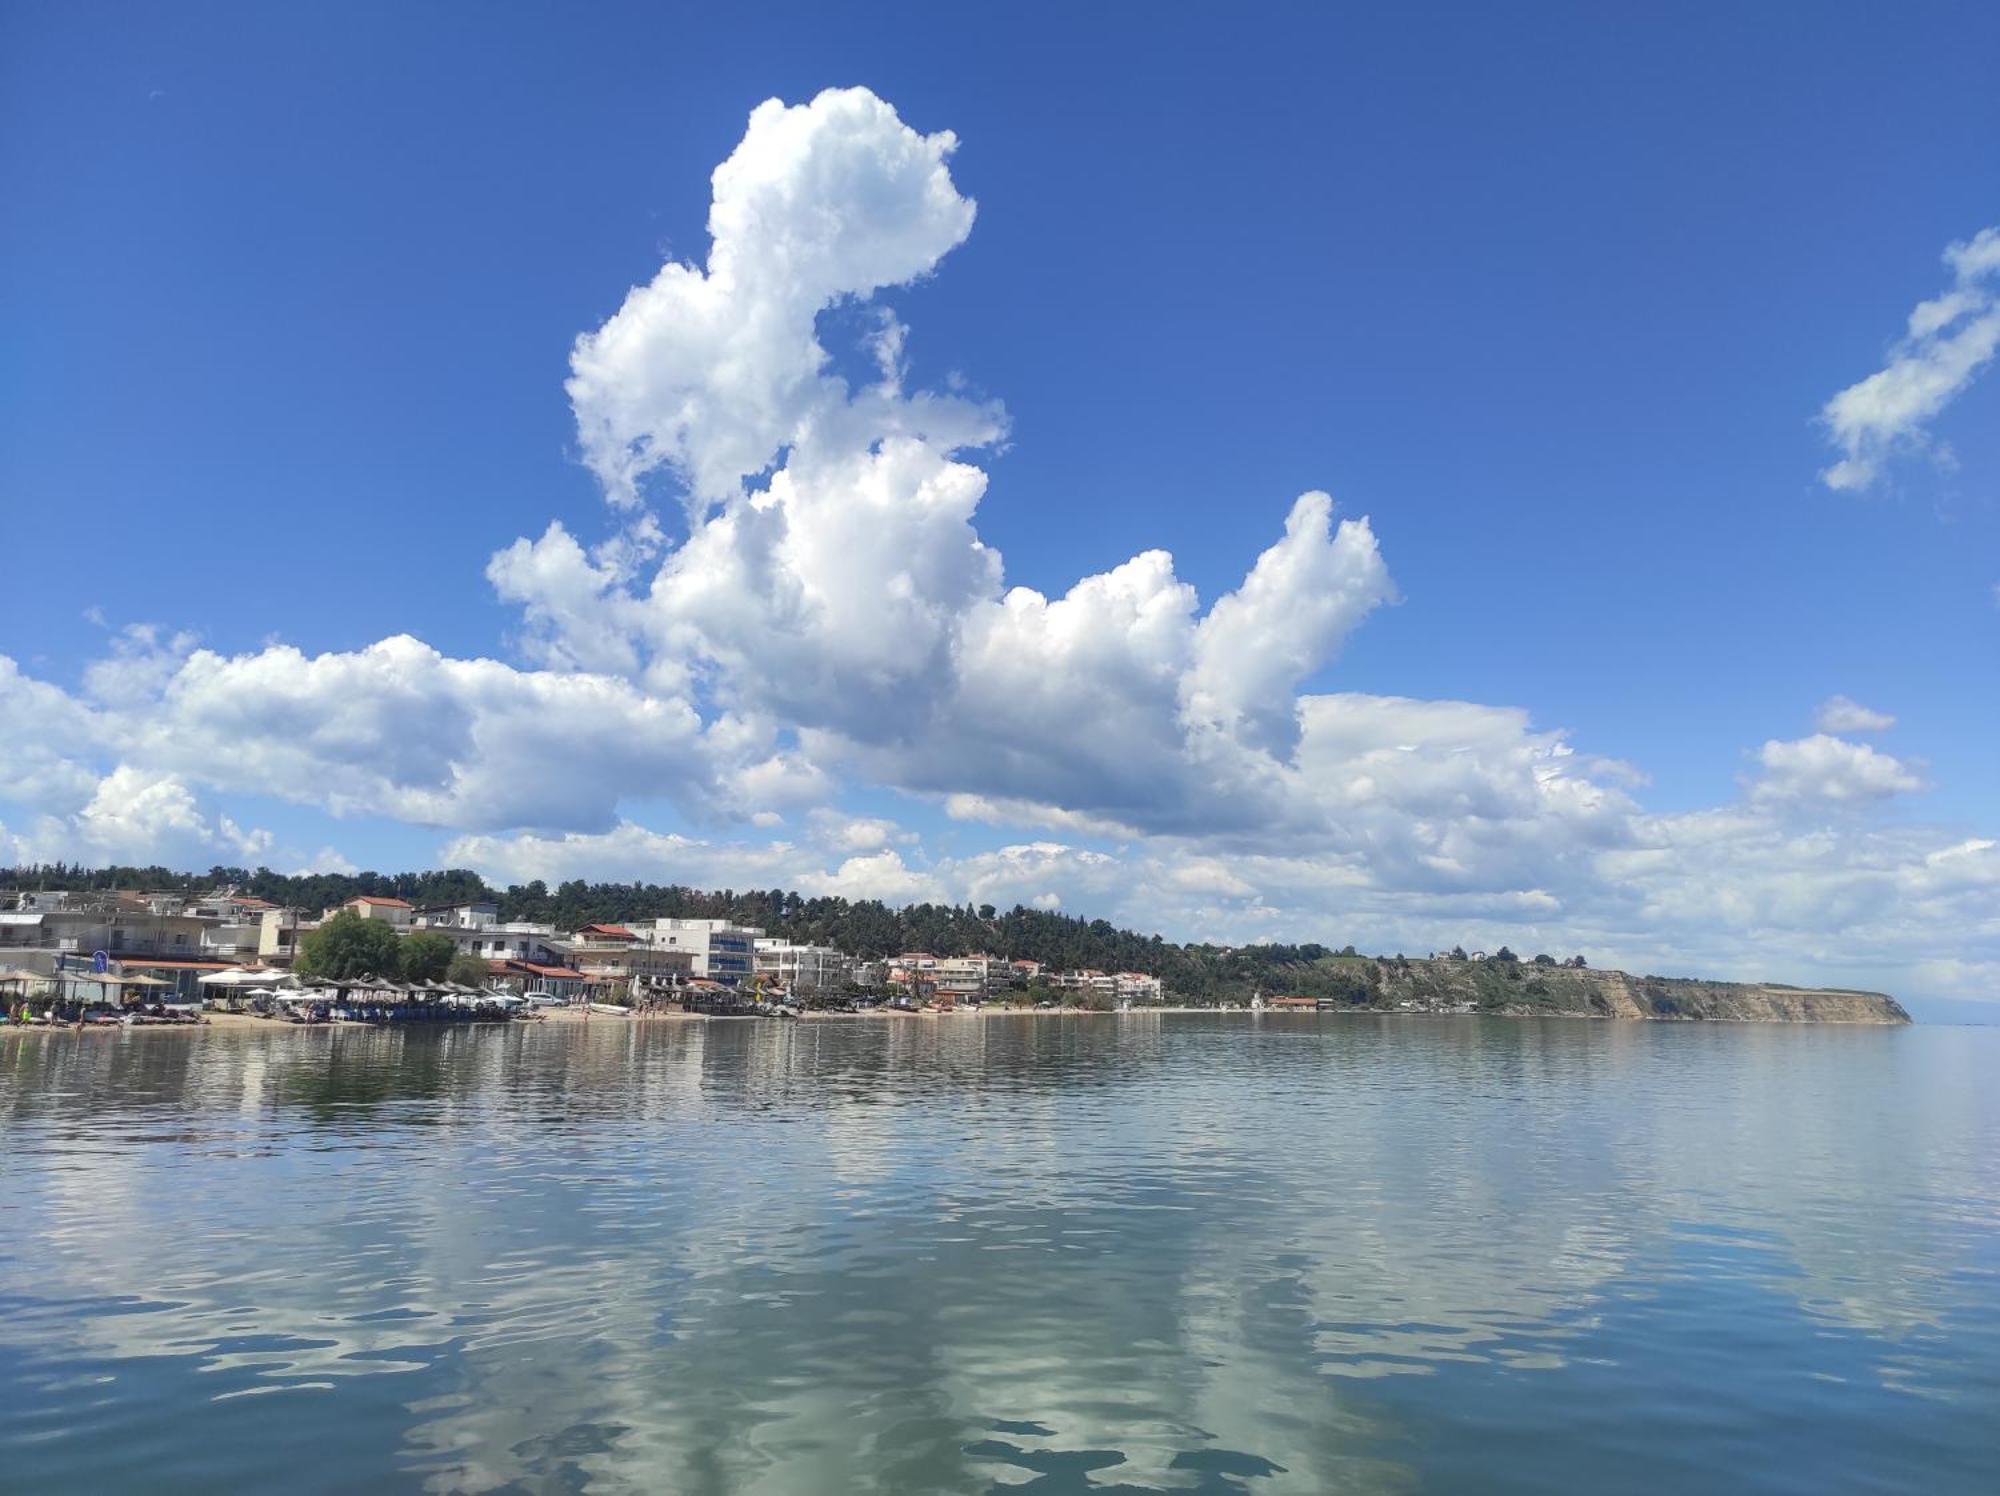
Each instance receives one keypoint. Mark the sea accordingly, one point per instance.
(1110, 1253)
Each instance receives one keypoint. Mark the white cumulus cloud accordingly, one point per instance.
(832, 577)
(819, 622)
(1828, 770)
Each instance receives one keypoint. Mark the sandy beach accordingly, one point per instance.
(218, 1022)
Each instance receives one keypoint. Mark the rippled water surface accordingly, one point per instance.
(1109, 1254)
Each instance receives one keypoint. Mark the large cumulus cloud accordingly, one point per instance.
(790, 604)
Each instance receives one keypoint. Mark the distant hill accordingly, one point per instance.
(1191, 973)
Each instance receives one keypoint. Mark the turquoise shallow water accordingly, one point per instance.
(1112, 1254)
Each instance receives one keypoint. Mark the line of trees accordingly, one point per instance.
(862, 927)
(349, 946)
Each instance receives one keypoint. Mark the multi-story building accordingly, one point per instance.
(1098, 983)
(804, 968)
(135, 934)
(229, 907)
(1136, 987)
(722, 952)
(119, 924)
(237, 939)
(613, 953)
(476, 914)
(278, 935)
(517, 940)
(971, 978)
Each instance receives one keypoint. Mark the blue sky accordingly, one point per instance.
(1554, 300)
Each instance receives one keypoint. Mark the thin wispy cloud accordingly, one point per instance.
(1947, 344)
(1840, 714)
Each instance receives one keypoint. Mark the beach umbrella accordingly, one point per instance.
(249, 976)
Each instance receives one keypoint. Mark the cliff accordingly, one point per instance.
(1522, 989)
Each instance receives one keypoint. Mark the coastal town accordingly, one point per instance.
(114, 955)
(128, 946)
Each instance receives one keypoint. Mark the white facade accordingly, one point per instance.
(1137, 987)
(518, 940)
(722, 952)
(804, 968)
(626, 960)
(480, 914)
(971, 976)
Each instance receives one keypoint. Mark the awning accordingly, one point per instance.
(244, 977)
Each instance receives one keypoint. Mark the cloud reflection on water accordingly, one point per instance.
(1136, 1254)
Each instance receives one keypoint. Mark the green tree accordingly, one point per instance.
(426, 956)
(467, 970)
(349, 946)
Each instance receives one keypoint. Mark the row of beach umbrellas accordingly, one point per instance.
(387, 987)
(21, 975)
(282, 984)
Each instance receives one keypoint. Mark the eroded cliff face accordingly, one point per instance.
(1526, 990)
(1750, 1002)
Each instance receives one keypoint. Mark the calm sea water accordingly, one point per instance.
(1113, 1254)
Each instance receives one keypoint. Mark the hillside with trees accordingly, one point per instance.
(866, 928)
(1458, 981)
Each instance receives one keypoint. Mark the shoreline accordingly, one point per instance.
(570, 1017)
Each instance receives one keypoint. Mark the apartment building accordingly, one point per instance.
(614, 953)
(721, 952)
(1137, 987)
(804, 968)
(476, 914)
(971, 978)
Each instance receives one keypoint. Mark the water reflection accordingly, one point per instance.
(968, 1255)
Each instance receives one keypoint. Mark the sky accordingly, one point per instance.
(1298, 474)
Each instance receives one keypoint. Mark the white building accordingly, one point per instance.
(614, 953)
(804, 968)
(517, 940)
(478, 914)
(971, 977)
(722, 952)
(1088, 980)
(1137, 987)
